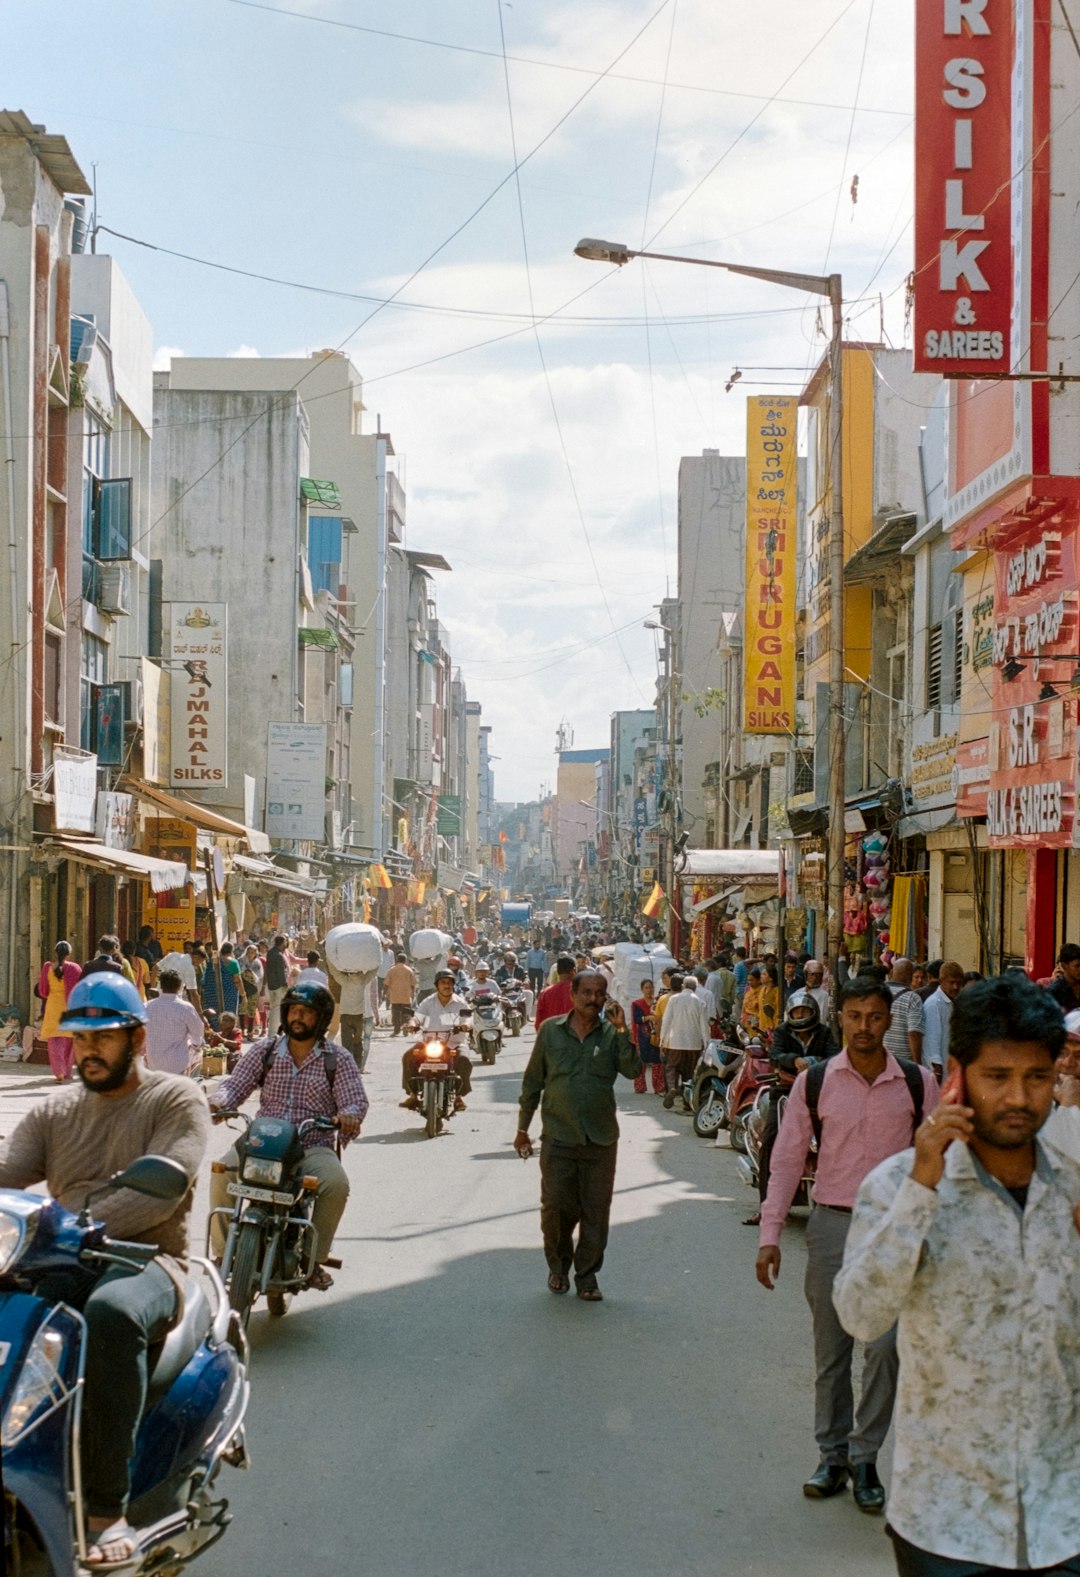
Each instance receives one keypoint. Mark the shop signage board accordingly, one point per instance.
(296, 781)
(963, 164)
(769, 606)
(116, 820)
(156, 723)
(198, 687)
(74, 786)
(972, 777)
(171, 914)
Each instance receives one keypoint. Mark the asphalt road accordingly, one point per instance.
(439, 1411)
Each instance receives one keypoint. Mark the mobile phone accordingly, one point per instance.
(954, 1090)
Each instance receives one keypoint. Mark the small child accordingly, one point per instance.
(228, 1038)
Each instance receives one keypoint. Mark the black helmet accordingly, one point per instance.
(312, 996)
(445, 974)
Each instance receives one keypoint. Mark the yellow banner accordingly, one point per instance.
(771, 502)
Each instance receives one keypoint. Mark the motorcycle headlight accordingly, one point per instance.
(256, 1170)
(40, 1381)
(12, 1232)
(433, 1050)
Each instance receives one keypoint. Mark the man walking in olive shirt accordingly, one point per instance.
(575, 1062)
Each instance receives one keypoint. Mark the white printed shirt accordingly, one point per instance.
(988, 1303)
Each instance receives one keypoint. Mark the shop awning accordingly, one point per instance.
(202, 815)
(273, 876)
(164, 876)
(740, 863)
(707, 903)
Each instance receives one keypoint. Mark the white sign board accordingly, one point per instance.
(296, 781)
(116, 820)
(74, 786)
(200, 732)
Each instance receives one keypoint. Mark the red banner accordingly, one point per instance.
(963, 241)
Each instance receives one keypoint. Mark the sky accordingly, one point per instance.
(449, 154)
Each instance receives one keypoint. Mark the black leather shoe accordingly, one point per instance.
(867, 1488)
(829, 1479)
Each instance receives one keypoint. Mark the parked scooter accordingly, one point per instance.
(195, 1404)
(513, 1004)
(753, 1072)
(749, 1163)
(487, 1024)
(705, 1091)
(270, 1243)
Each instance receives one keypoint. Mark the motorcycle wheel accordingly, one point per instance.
(487, 1056)
(737, 1133)
(515, 1028)
(432, 1112)
(244, 1273)
(709, 1116)
(277, 1303)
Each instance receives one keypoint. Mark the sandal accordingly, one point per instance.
(320, 1280)
(557, 1283)
(753, 1221)
(590, 1295)
(118, 1535)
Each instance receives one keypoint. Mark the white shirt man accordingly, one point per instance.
(937, 1013)
(174, 1031)
(815, 988)
(312, 976)
(180, 964)
(685, 1025)
(431, 1013)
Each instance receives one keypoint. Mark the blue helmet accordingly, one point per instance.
(103, 1001)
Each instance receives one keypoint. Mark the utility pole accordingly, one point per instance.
(672, 775)
(837, 721)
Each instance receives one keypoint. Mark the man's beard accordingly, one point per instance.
(114, 1078)
(1014, 1139)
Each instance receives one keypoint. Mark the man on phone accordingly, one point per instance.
(861, 1106)
(969, 1242)
(575, 1062)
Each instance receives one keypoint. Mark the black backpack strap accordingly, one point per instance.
(815, 1078)
(329, 1058)
(916, 1089)
(268, 1057)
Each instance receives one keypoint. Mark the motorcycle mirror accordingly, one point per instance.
(158, 1176)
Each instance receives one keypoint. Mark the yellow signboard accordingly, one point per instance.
(771, 501)
(171, 914)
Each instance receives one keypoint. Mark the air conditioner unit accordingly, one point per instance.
(114, 587)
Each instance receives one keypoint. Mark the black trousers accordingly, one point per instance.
(913, 1562)
(576, 1185)
(400, 1014)
(536, 980)
(125, 1313)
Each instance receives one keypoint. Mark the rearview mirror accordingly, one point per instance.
(155, 1175)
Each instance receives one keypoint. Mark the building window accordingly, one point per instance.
(933, 668)
(95, 653)
(54, 647)
(803, 782)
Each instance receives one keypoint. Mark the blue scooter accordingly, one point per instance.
(195, 1405)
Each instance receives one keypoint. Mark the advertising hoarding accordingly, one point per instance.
(769, 608)
(296, 781)
(199, 727)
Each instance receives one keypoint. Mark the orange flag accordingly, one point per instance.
(654, 902)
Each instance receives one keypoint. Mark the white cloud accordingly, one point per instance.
(245, 351)
(163, 356)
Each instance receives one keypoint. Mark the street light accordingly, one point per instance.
(829, 285)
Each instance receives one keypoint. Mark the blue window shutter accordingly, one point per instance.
(324, 552)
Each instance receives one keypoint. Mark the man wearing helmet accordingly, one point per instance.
(800, 1040)
(300, 1074)
(74, 1141)
(442, 1010)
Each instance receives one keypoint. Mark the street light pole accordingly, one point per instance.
(830, 285)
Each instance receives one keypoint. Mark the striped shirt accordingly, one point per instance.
(296, 1093)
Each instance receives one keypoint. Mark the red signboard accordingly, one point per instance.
(963, 245)
(972, 777)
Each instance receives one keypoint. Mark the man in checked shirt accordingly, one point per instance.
(290, 1068)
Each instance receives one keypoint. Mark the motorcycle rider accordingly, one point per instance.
(509, 970)
(289, 1070)
(800, 1040)
(440, 1011)
(73, 1141)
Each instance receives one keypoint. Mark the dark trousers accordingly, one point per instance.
(536, 980)
(576, 1185)
(352, 1037)
(400, 1014)
(125, 1313)
(913, 1562)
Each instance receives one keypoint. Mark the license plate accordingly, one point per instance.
(433, 1067)
(269, 1196)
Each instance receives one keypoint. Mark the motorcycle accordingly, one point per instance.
(513, 1002)
(196, 1399)
(749, 1163)
(270, 1243)
(487, 1024)
(435, 1081)
(705, 1092)
(752, 1073)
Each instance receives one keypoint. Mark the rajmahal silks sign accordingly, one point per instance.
(198, 693)
(769, 610)
(963, 189)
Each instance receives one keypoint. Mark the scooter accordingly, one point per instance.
(487, 1024)
(753, 1072)
(705, 1092)
(195, 1405)
(749, 1163)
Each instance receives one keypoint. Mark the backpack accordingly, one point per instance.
(329, 1062)
(815, 1079)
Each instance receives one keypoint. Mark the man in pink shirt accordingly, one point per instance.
(862, 1106)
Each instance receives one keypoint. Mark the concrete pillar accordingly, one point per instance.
(1041, 912)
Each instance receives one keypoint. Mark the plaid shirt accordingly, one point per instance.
(296, 1093)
